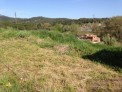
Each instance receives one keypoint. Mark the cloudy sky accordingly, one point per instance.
(61, 8)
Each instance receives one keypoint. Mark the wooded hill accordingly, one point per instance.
(52, 21)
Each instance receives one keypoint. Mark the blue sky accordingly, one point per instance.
(61, 8)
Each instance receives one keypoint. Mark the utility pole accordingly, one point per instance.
(16, 20)
(15, 15)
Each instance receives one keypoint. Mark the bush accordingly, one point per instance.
(58, 27)
(23, 34)
(73, 28)
(9, 34)
(107, 39)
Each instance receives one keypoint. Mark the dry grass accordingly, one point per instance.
(61, 48)
(25, 67)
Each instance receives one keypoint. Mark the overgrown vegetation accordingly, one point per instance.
(51, 61)
(109, 40)
(81, 48)
(99, 26)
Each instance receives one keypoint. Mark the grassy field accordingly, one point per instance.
(49, 61)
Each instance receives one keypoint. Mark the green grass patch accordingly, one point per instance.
(77, 47)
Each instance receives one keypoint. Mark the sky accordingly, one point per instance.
(73, 9)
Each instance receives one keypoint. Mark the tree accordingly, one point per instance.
(58, 27)
(113, 26)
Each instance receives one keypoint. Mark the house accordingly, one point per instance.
(90, 37)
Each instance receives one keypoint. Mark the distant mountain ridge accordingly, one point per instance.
(41, 20)
(5, 18)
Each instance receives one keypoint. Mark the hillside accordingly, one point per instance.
(5, 18)
(44, 61)
(41, 19)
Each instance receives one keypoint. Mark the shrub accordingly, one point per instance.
(58, 27)
(107, 39)
(9, 34)
(23, 34)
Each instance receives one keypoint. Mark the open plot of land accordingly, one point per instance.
(26, 67)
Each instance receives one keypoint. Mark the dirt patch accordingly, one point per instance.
(61, 48)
